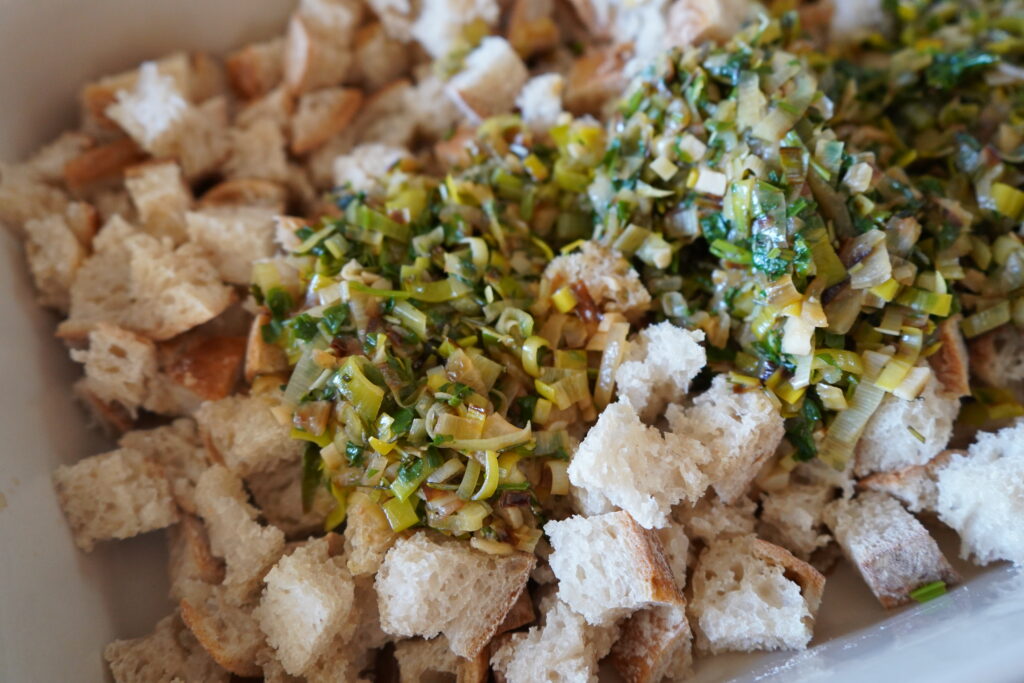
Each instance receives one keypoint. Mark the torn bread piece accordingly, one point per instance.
(114, 495)
(637, 467)
(414, 601)
(439, 25)
(54, 255)
(711, 518)
(915, 486)
(658, 366)
(200, 367)
(540, 102)
(161, 198)
(740, 429)
(306, 605)
(278, 495)
(609, 279)
(563, 647)
(531, 27)
(321, 115)
(102, 165)
(608, 566)
(25, 196)
(892, 551)
(257, 150)
(169, 653)
(596, 79)
(360, 169)
(981, 496)
(190, 560)
(246, 192)
(232, 238)
(426, 660)
(96, 97)
(142, 284)
(491, 78)
(178, 450)
(751, 595)
(997, 359)
(656, 644)
(794, 518)
(379, 58)
(903, 433)
(248, 549)
(262, 358)
(243, 433)
(257, 68)
(318, 44)
(368, 536)
(48, 162)
(226, 629)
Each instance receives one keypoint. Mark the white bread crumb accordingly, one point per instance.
(439, 24)
(981, 495)
(540, 101)
(607, 566)
(658, 366)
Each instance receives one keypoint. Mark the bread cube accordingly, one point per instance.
(169, 653)
(242, 432)
(119, 494)
(490, 80)
(658, 367)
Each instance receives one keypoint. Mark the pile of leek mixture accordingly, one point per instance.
(817, 214)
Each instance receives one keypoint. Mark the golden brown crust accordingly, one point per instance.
(249, 74)
(652, 564)
(208, 628)
(521, 614)
(105, 162)
(262, 358)
(649, 641)
(246, 192)
(113, 417)
(474, 670)
(810, 580)
(208, 367)
(192, 546)
(594, 79)
(950, 363)
(530, 29)
(519, 566)
(342, 110)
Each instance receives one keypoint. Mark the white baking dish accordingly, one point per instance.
(59, 607)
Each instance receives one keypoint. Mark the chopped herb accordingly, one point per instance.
(928, 591)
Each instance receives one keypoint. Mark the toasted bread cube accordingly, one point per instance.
(415, 600)
(379, 58)
(119, 494)
(435, 115)
(143, 284)
(306, 604)
(262, 358)
(257, 68)
(226, 629)
(637, 467)
(531, 27)
(95, 98)
(794, 518)
(740, 429)
(258, 151)
(368, 536)
(540, 101)
(121, 367)
(190, 561)
(152, 111)
(321, 115)
(608, 566)
(180, 453)
(204, 145)
(888, 443)
(278, 495)
(198, 368)
(915, 486)
(103, 164)
(246, 192)
(655, 644)
(169, 653)
(611, 281)
(596, 79)
(440, 24)
(711, 519)
(242, 432)
(312, 59)
(161, 198)
(248, 549)
(24, 196)
(54, 256)
(691, 22)
(981, 495)
(47, 164)
(488, 84)
(997, 359)
(232, 238)
(658, 367)
(751, 595)
(421, 660)
(361, 169)
(562, 647)
(892, 551)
